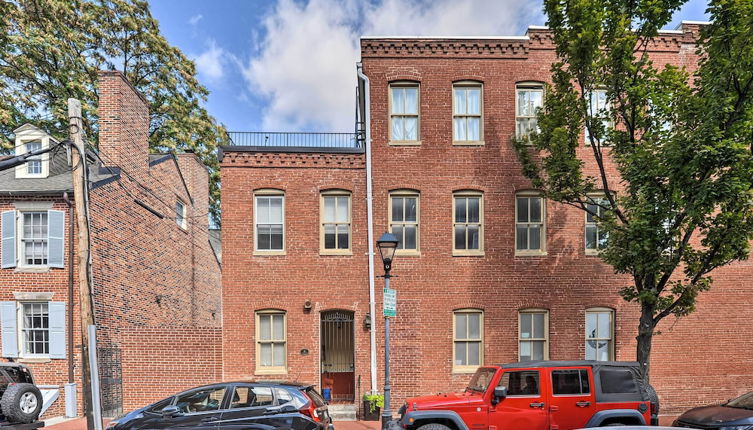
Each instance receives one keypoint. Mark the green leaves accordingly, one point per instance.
(675, 145)
(52, 50)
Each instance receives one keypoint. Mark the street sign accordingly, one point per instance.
(390, 302)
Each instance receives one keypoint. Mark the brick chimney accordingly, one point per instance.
(123, 123)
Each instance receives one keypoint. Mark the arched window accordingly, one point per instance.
(600, 334)
(404, 113)
(271, 341)
(530, 223)
(403, 214)
(533, 335)
(468, 223)
(468, 340)
(335, 231)
(269, 221)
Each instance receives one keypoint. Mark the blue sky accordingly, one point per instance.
(289, 65)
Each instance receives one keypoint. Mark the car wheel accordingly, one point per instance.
(21, 403)
(434, 426)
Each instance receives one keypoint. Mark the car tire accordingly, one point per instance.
(434, 426)
(21, 403)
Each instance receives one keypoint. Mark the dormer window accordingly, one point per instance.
(28, 139)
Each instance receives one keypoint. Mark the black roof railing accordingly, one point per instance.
(296, 139)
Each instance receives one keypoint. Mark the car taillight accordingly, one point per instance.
(311, 412)
(654, 408)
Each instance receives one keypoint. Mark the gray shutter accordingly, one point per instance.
(55, 238)
(56, 311)
(9, 331)
(9, 239)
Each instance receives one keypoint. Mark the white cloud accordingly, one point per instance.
(305, 64)
(211, 63)
(195, 19)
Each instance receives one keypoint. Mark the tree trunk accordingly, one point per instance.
(644, 338)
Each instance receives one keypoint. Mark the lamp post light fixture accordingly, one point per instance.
(387, 245)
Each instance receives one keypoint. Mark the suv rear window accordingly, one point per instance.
(569, 382)
(315, 397)
(614, 381)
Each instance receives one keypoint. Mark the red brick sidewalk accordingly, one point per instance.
(80, 424)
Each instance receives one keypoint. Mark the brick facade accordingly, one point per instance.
(156, 292)
(431, 286)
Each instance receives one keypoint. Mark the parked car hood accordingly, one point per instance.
(718, 414)
(443, 400)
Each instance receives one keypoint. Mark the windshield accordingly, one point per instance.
(744, 402)
(481, 379)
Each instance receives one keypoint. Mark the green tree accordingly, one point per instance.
(50, 50)
(672, 147)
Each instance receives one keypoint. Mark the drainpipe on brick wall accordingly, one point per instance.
(70, 287)
(369, 222)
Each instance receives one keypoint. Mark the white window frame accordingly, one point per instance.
(597, 199)
(406, 194)
(22, 350)
(32, 135)
(323, 222)
(607, 108)
(465, 368)
(180, 215)
(480, 115)
(20, 246)
(462, 195)
(271, 370)
(610, 339)
(268, 193)
(542, 244)
(532, 340)
(526, 86)
(417, 115)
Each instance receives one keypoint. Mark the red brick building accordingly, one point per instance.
(489, 271)
(156, 278)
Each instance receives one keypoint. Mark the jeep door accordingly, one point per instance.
(525, 404)
(572, 399)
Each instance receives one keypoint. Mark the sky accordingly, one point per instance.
(290, 65)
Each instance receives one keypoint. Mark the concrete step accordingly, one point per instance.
(342, 412)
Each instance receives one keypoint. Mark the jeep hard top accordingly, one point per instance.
(541, 395)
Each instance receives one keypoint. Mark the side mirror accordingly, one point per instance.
(499, 393)
(170, 411)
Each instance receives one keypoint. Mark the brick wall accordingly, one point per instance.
(152, 371)
(431, 286)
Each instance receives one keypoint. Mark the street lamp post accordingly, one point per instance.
(387, 245)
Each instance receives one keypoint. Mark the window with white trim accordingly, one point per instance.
(271, 342)
(600, 108)
(467, 120)
(468, 339)
(596, 238)
(529, 100)
(403, 213)
(269, 213)
(34, 164)
(404, 113)
(530, 223)
(533, 339)
(600, 334)
(468, 215)
(35, 329)
(33, 238)
(336, 218)
(180, 214)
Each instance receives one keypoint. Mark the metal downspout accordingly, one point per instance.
(370, 224)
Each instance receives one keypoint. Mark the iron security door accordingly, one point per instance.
(338, 355)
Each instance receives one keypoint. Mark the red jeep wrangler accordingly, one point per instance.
(544, 395)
